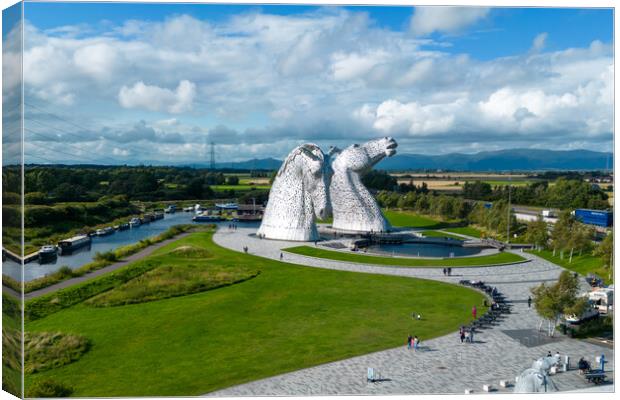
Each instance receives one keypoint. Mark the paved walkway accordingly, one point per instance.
(444, 365)
(113, 267)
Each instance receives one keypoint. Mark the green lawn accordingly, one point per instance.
(465, 230)
(584, 264)
(287, 318)
(440, 234)
(410, 219)
(493, 259)
(219, 188)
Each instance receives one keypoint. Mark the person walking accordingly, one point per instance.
(529, 302)
(462, 333)
(409, 341)
(449, 271)
(474, 312)
(416, 343)
(444, 272)
(281, 256)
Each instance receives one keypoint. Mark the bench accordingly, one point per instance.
(595, 376)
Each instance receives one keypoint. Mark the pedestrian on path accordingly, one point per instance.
(529, 302)
(409, 341)
(474, 312)
(281, 256)
(444, 272)
(462, 333)
(449, 271)
(416, 343)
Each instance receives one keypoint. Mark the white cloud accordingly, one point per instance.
(427, 20)
(154, 98)
(539, 41)
(266, 82)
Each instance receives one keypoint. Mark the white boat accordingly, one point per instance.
(135, 222)
(228, 206)
(68, 245)
(105, 231)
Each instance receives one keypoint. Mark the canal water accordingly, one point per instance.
(34, 270)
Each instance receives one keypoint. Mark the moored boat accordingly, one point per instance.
(68, 245)
(47, 254)
(207, 218)
(135, 222)
(108, 230)
(123, 227)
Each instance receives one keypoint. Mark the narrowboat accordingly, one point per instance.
(69, 245)
(135, 222)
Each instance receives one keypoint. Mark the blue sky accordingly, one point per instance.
(129, 83)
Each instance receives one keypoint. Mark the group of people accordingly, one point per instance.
(466, 335)
(413, 342)
(447, 271)
(245, 249)
(232, 227)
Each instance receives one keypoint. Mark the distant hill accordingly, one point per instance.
(502, 160)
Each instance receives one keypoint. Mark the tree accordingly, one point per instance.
(605, 250)
(551, 302)
(232, 180)
(537, 233)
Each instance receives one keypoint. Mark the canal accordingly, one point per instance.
(102, 244)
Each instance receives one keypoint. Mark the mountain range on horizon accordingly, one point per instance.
(499, 160)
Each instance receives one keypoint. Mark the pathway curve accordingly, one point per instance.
(444, 365)
(112, 267)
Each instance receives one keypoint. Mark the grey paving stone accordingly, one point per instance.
(446, 365)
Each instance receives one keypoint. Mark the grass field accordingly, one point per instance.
(219, 188)
(583, 265)
(440, 234)
(412, 220)
(465, 230)
(287, 318)
(492, 259)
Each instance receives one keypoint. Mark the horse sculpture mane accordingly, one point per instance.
(354, 208)
(298, 196)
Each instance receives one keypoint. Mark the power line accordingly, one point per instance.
(74, 125)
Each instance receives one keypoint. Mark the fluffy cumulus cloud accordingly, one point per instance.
(257, 84)
(154, 98)
(427, 20)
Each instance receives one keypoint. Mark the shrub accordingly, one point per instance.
(45, 350)
(49, 388)
(109, 256)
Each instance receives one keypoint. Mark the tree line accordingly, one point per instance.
(563, 194)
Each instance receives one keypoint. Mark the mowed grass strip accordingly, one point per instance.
(287, 318)
(410, 219)
(488, 260)
(582, 264)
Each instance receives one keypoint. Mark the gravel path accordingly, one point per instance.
(113, 267)
(444, 364)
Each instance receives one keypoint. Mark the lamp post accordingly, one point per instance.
(508, 223)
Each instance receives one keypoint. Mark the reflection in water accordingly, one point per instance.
(423, 250)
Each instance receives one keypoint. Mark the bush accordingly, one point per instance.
(109, 256)
(49, 388)
(45, 350)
